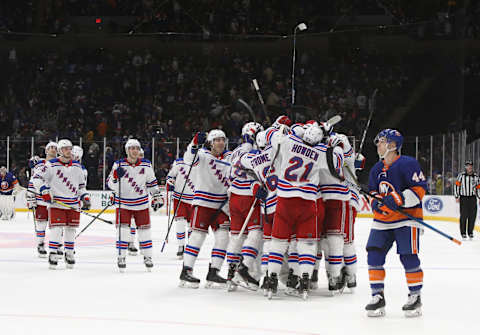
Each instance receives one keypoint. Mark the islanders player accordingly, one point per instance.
(398, 182)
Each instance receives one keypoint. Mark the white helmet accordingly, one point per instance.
(251, 128)
(51, 144)
(142, 153)
(313, 135)
(298, 130)
(77, 152)
(261, 139)
(215, 133)
(132, 143)
(63, 144)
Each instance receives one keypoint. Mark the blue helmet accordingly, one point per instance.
(392, 135)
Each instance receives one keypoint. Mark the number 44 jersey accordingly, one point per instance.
(405, 177)
(300, 167)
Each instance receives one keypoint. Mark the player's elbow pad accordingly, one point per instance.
(411, 198)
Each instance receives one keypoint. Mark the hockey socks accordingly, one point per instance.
(40, 231)
(192, 249)
(180, 224)
(145, 241)
(219, 248)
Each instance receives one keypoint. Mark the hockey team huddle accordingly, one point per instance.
(276, 205)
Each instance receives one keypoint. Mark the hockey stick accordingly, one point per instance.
(179, 200)
(71, 207)
(372, 109)
(247, 106)
(249, 215)
(260, 98)
(401, 211)
(119, 216)
(93, 220)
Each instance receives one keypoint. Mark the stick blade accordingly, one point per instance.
(334, 120)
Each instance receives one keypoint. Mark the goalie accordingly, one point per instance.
(9, 187)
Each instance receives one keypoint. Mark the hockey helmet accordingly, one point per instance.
(3, 170)
(251, 128)
(390, 135)
(77, 152)
(65, 143)
(142, 153)
(282, 120)
(313, 135)
(261, 139)
(51, 144)
(215, 133)
(298, 129)
(132, 143)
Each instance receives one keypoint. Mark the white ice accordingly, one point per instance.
(94, 298)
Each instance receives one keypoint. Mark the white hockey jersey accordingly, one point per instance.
(332, 188)
(177, 177)
(301, 168)
(138, 181)
(241, 180)
(261, 163)
(65, 181)
(211, 177)
(31, 186)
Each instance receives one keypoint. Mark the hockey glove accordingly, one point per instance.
(260, 192)
(170, 187)
(394, 200)
(86, 204)
(199, 139)
(31, 201)
(111, 199)
(360, 162)
(119, 173)
(46, 195)
(248, 138)
(376, 205)
(157, 201)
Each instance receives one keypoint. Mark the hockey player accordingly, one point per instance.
(399, 181)
(210, 175)
(35, 202)
(61, 183)
(77, 154)
(300, 163)
(9, 187)
(132, 179)
(242, 251)
(176, 181)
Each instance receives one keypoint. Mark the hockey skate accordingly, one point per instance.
(333, 284)
(60, 250)
(342, 281)
(304, 285)
(187, 280)
(272, 285)
(244, 279)
(52, 260)
(132, 249)
(351, 282)
(376, 307)
(264, 286)
(213, 278)
(122, 264)
(413, 307)
(69, 261)
(314, 280)
(231, 285)
(292, 284)
(180, 251)
(42, 253)
(148, 263)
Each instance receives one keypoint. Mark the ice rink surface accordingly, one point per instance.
(94, 298)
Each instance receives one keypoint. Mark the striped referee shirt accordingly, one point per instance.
(467, 185)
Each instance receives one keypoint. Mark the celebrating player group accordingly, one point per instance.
(282, 200)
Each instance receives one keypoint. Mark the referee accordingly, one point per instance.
(466, 191)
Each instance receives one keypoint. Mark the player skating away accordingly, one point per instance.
(210, 174)
(176, 181)
(300, 163)
(132, 179)
(9, 187)
(400, 182)
(61, 180)
(242, 251)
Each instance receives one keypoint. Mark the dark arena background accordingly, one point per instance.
(101, 72)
